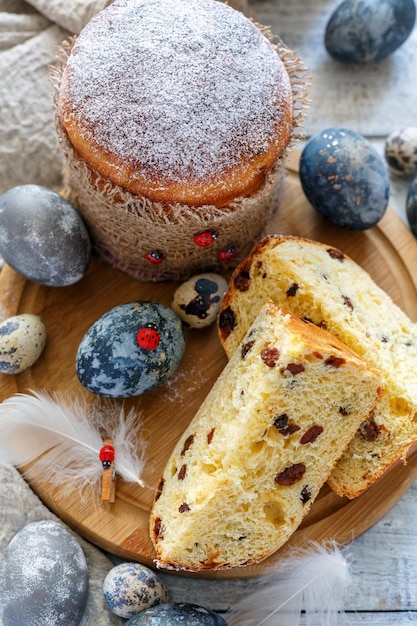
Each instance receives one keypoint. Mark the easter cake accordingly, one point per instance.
(251, 462)
(174, 118)
(322, 284)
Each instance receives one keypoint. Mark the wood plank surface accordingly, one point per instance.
(388, 251)
(374, 99)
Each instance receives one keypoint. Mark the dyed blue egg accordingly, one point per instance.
(344, 178)
(42, 236)
(360, 31)
(177, 614)
(43, 577)
(411, 206)
(131, 349)
(130, 588)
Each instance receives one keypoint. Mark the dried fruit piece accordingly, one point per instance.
(182, 473)
(210, 436)
(270, 356)
(292, 290)
(369, 430)
(242, 281)
(305, 494)
(334, 253)
(290, 475)
(187, 443)
(334, 361)
(227, 320)
(295, 368)
(246, 347)
(311, 434)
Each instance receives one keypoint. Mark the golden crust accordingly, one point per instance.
(249, 147)
(242, 180)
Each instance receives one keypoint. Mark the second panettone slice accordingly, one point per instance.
(252, 461)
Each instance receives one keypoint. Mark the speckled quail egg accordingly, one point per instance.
(22, 340)
(361, 31)
(131, 349)
(344, 178)
(42, 236)
(198, 299)
(130, 588)
(401, 151)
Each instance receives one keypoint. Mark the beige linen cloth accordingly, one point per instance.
(30, 34)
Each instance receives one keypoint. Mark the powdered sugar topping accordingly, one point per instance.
(184, 87)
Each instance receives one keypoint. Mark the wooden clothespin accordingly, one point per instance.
(108, 479)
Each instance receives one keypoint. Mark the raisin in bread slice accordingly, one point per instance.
(252, 461)
(320, 283)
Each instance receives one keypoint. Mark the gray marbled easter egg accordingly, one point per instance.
(43, 577)
(177, 614)
(360, 31)
(131, 349)
(22, 340)
(197, 301)
(42, 236)
(344, 178)
(130, 588)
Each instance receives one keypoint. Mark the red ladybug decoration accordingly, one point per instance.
(106, 456)
(227, 254)
(205, 239)
(155, 257)
(148, 337)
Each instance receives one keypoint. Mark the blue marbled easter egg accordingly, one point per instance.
(360, 31)
(411, 206)
(344, 178)
(130, 588)
(43, 577)
(131, 349)
(177, 614)
(42, 236)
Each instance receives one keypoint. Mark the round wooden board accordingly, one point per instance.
(388, 252)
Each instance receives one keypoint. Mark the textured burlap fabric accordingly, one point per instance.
(127, 228)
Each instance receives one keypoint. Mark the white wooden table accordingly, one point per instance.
(375, 101)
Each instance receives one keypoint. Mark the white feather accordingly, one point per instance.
(62, 439)
(313, 581)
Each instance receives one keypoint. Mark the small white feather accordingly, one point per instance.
(62, 439)
(313, 580)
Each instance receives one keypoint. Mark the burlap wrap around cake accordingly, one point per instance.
(174, 118)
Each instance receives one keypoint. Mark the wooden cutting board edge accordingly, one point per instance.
(348, 521)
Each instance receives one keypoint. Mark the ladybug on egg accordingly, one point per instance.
(148, 337)
(132, 348)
